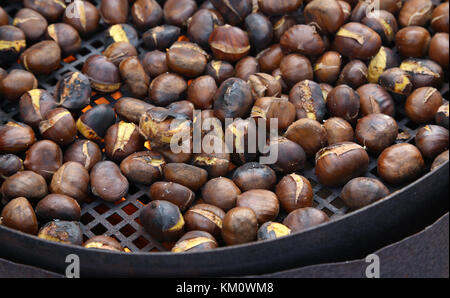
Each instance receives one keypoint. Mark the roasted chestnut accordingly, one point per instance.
(269, 59)
(229, 43)
(309, 134)
(412, 41)
(119, 51)
(45, 158)
(397, 81)
(233, 99)
(187, 175)
(166, 89)
(439, 49)
(175, 193)
(422, 105)
(264, 85)
(240, 225)
(304, 40)
(294, 192)
(441, 117)
(432, 140)
(57, 206)
(73, 91)
(32, 23)
(233, 11)
(19, 215)
(260, 31)
(183, 107)
(201, 25)
(134, 76)
(177, 12)
(13, 42)
(26, 184)
(42, 58)
(305, 218)
(308, 100)
(83, 16)
(68, 232)
(66, 37)
(51, 10)
(439, 18)
(291, 156)
(114, 11)
(16, 137)
(9, 165)
(103, 242)
(143, 167)
(121, 140)
(344, 102)
(195, 241)
(415, 13)
(72, 180)
(59, 126)
(269, 108)
(146, 14)
(423, 72)
(221, 192)
(295, 68)
(155, 63)
(281, 25)
(272, 230)
(34, 104)
(264, 203)
(326, 15)
(357, 41)
(338, 130)
(187, 59)
(375, 99)
(205, 217)
(16, 83)
(328, 67)
(363, 191)
(219, 70)
(201, 92)
(94, 123)
(384, 59)
(85, 152)
(246, 67)
(103, 74)
(121, 32)
(440, 160)
(253, 175)
(376, 132)
(107, 182)
(4, 18)
(382, 22)
(341, 162)
(161, 37)
(354, 74)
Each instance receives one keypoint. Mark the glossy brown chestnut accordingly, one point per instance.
(338, 130)
(119, 51)
(308, 100)
(432, 140)
(346, 9)
(73, 91)
(412, 41)
(146, 14)
(415, 13)
(384, 59)
(121, 140)
(103, 242)
(375, 99)
(240, 225)
(45, 158)
(58, 126)
(376, 132)
(295, 68)
(42, 58)
(439, 18)
(246, 67)
(305, 218)
(397, 81)
(13, 42)
(229, 43)
(177, 12)
(294, 192)
(382, 22)
(272, 230)
(72, 180)
(326, 15)
(268, 108)
(328, 67)
(440, 160)
(26, 184)
(187, 175)
(441, 117)
(253, 175)
(309, 134)
(83, 16)
(94, 123)
(162, 220)
(114, 11)
(68, 232)
(343, 102)
(201, 25)
(221, 192)
(166, 89)
(103, 74)
(175, 193)
(201, 92)
(187, 59)
(4, 18)
(143, 167)
(423, 72)
(205, 217)
(260, 31)
(439, 49)
(357, 41)
(107, 182)
(57, 206)
(155, 63)
(264, 203)
(32, 23)
(291, 156)
(34, 104)
(354, 74)
(341, 162)
(9, 165)
(269, 59)
(233, 99)
(422, 105)
(134, 76)
(16, 83)
(233, 11)
(19, 215)
(400, 163)
(161, 37)
(85, 152)
(195, 241)
(281, 25)
(16, 137)
(51, 10)
(363, 191)
(303, 39)
(66, 37)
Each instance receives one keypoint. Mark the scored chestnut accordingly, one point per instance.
(26, 184)
(32, 23)
(42, 58)
(308, 100)
(441, 117)
(175, 193)
(328, 67)
(95, 122)
(229, 43)
(422, 105)
(326, 15)
(85, 152)
(66, 37)
(233, 11)
(423, 72)
(432, 140)
(294, 192)
(13, 43)
(103, 242)
(205, 217)
(272, 230)
(143, 167)
(303, 39)
(187, 175)
(363, 191)
(376, 132)
(83, 16)
(309, 134)
(221, 192)
(161, 37)
(16, 137)
(51, 10)
(201, 25)
(34, 104)
(233, 99)
(375, 99)
(58, 126)
(146, 14)
(253, 175)
(19, 215)
(73, 91)
(291, 156)
(338, 130)
(187, 59)
(72, 180)
(195, 241)
(119, 51)
(167, 88)
(68, 232)
(134, 76)
(354, 74)
(264, 203)
(114, 11)
(385, 58)
(103, 74)
(219, 70)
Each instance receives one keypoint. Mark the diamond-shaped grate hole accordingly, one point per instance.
(130, 209)
(99, 229)
(102, 208)
(114, 219)
(127, 230)
(140, 242)
(324, 193)
(328, 212)
(86, 218)
(338, 203)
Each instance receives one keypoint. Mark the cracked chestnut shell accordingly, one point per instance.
(187, 59)
(143, 167)
(68, 232)
(195, 241)
(240, 225)
(253, 175)
(161, 37)
(59, 126)
(397, 81)
(16, 137)
(326, 15)
(221, 192)
(269, 108)
(229, 43)
(233, 99)
(167, 88)
(72, 180)
(328, 67)
(177, 12)
(134, 76)
(103, 74)
(308, 100)
(233, 11)
(205, 217)
(275, 7)
(357, 41)
(303, 39)
(264, 203)
(441, 117)
(219, 70)
(439, 18)
(16, 83)
(83, 16)
(382, 22)
(338, 130)
(52, 10)
(175, 193)
(422, 105)
(423, 72)
(66, 37)
(385, 58)
(103, 242)
(309, 134)
(339, 163)
(363, 191)
(146, 14)
(95, 122)
(121, 140)
(162, 220)
(26, 184)
(264, 85)
(201, 92)
(45, 158)
(272, 230)
(415, 13)
(412, 41)
(375, 99)
(85, 152)
(400, 163)
(269, 59)
(73, 91)
(42, 58)
(57, 206)
(294, 192)
(190, 176)
(19, 215)
(34, 104)
(107, 182)
(432, 140)
(305, 218)
(121, 32)
(440, 160)
(376, 132)
(114, 11)
(32, 23)
(13, 42)
(119, 51)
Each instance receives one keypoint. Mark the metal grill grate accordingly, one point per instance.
(121, 219)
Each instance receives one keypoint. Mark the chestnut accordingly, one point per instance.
(354, 74)
(303, 39)
(439, 18)
(423, 72)
(219, 70)
(195, 241)
(201, 91)
(240, 225)
(326, 89)
(161, 37)
(103, 242)
(114, 11)
(66, 37)
(26, 184)
(177, 12)
(246, 67)
(9, 165)
(233, 11)
(308, 100)
(439, 49)
(183, 107)
(166, 89)
(187, 59)
(270, 58)
(346, 9)
(42, 58)
(341, 162)
(422, 105)
(45, 158)
(162, 220)
(264, 85)
(16, 83)
(363, 7)
(3, 74)
(264, 203)
(344, 102)
(175, 193)
(59, 126)
(326, 15)
(94, 123)
(242, 140)
(201, 25)
(269, 108)
(328, 67)
(34, 104)
(57, 206)
(357, 41)
(361, 192)
(143, 167)
(13, 41)
(32, 23)
(121, 32)
(295, 68)
(309, 134)
(385, 58)
(155, 63)
(146, 14)
(281, 25)
(441, 117)
(432, 140)
(83, 16)
(338, 130)
(85, 152)
(72, 180)
(291, 156)
(216, 164)
(16, 137)
(134, 76)
(19, 215)
(305, 218)
(415, 13)
(382, 22)
(51, 10)
(73, 91)
(376, 132)
(400, 163)
(121, 140)
(233, 99)
(4, 18)
(107, 182)
(187, 175)
(412, 41)
(375, 99)
(272, 230)
(440, 160)
(294, 192)
(103, 74)
(221, 192)
(260, 31)
(205, 217)
(68, 232)
(119, 51)
(229, 43)
(397, 81)
(253, 175)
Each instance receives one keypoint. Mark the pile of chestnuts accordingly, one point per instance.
(336, 74)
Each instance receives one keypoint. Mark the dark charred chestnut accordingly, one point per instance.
(219, 70)
(155, 63)
(187, 59)
(412, 41)
(161, 37)
(103, 74)
(16, 137)
(328, 67)
(84, 152)
(201, 92)
(338, 130)
(233, 99)
(73, 91)
(57, 206)
(375, 99)
(326, 15)
(42, 58)
(146, 14)
(260, 31)
(65, 36)
(119, 51)
(201, 25)
(441, 117)
(19, 215)
(376, 132)
(343, 102)
(32, 23)
(415, 13)
(294, 192)
(121, 140)
(308, 100)
(177, 12)
(309, 134)
(134, 76)
(341, 162)
(162, 220)
(103, 242)
(264, 203)
(72, 180)
(291, 156)
(354, 74)
(357, 41)
(107, 182)
(240, 225)
(397, 81)
(187, 175)
(221, 192)
(94, 123)
(295, 68)
(9, 165)
(166, 89)
(83, 16)
(51, 10)
(13, 42)
(246, 67)
(233, 11)
(400, 163)
(363, 191)
(121, 32)
(272, 230)
(68, 232)
(423, 72)
(432, 140)
(440, 160)
(253, 175)
(59, 126)
(382, 22)
(229, 43)
(114, 11)
(205, 217)
(143, 167)
(439, 18)
(385, 59)
(175, 193)
(303, 39)
(422, 105)
(305, 218)
(35, 103)
(16, 83)
(195, 241)
(45, 158)
(439, 49)
(26, 184)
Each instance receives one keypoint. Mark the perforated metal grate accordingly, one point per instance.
(121, 219)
